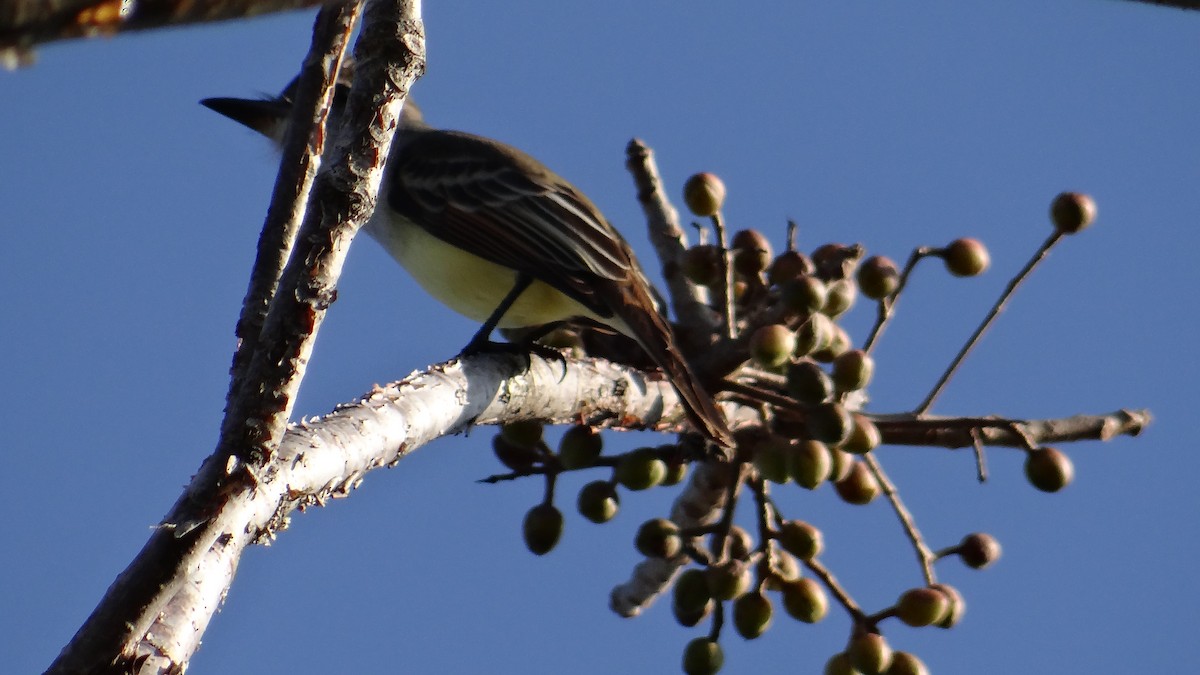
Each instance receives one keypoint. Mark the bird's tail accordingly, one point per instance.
(650, 330)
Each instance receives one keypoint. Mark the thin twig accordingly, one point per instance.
(924, 555)
(887, 305)
(987, 321)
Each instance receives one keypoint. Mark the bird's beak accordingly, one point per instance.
(263, 116)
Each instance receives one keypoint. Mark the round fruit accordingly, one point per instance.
(852, 370)
(704, 193)
(800, 539)
(771, 458)
(515, 457)
(808, 383)
(979, 550)
(840, 298)
(772, 345)
(958, 606)
(728, 579)
(525, 433)
(1072, 212)
(869, 653)
(702, 657)
(691, 592)
(864, 437)
(751, 252)
(658, 538)
(839, 664)
(803, 294)
(878, 277)
(788, 266)
(804, 600)
(598, 501)
(1048, 469)
(904, 663)
(580, 446)
(967, 257)
(641, 469)
(922, 606)
(859, 486)
(829, 423)
(752, 615)
(809, 463)
(542, 528)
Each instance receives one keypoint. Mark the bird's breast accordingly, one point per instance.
(465, 282)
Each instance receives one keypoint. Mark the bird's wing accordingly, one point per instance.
(506, 207)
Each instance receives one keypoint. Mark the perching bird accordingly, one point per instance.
(496, 236)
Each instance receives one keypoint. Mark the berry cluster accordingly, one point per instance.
(799, 370)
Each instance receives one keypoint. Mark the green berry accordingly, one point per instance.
(800, 539)
(728, 579)
(808, 383)
(580, 446)
(829, 423)
(864, 437)
(904, 663)
(771, 458)
(691, 591)
(658, 538)
(752, 615)
(804, 294)
(852, 370)
(869, 653)
(641, 469)
(598, 501)
(515, 457)
(704, 193)
(840, 298)
(702, 657)
(922, 606)
(525, 433)
(543, 528)
(804, 600)
(772, 345)
(809, 463)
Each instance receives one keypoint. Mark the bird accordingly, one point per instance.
(497, 236)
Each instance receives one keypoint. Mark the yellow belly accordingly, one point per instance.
(466, 283)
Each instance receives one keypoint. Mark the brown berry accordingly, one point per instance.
(1072, 212)
(958, 606)
(978, 550)
(859, 486)
(1048, 469)
(878, 277)
(789, 265)
(967, 257)
(751, 252)
(829, 423)
(691, 592)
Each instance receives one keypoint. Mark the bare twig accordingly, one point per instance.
(924, 556)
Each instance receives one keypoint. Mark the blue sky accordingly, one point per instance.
(130, 215)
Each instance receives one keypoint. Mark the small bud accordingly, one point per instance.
(704, 193)
(967, 257)
(1072, 212)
